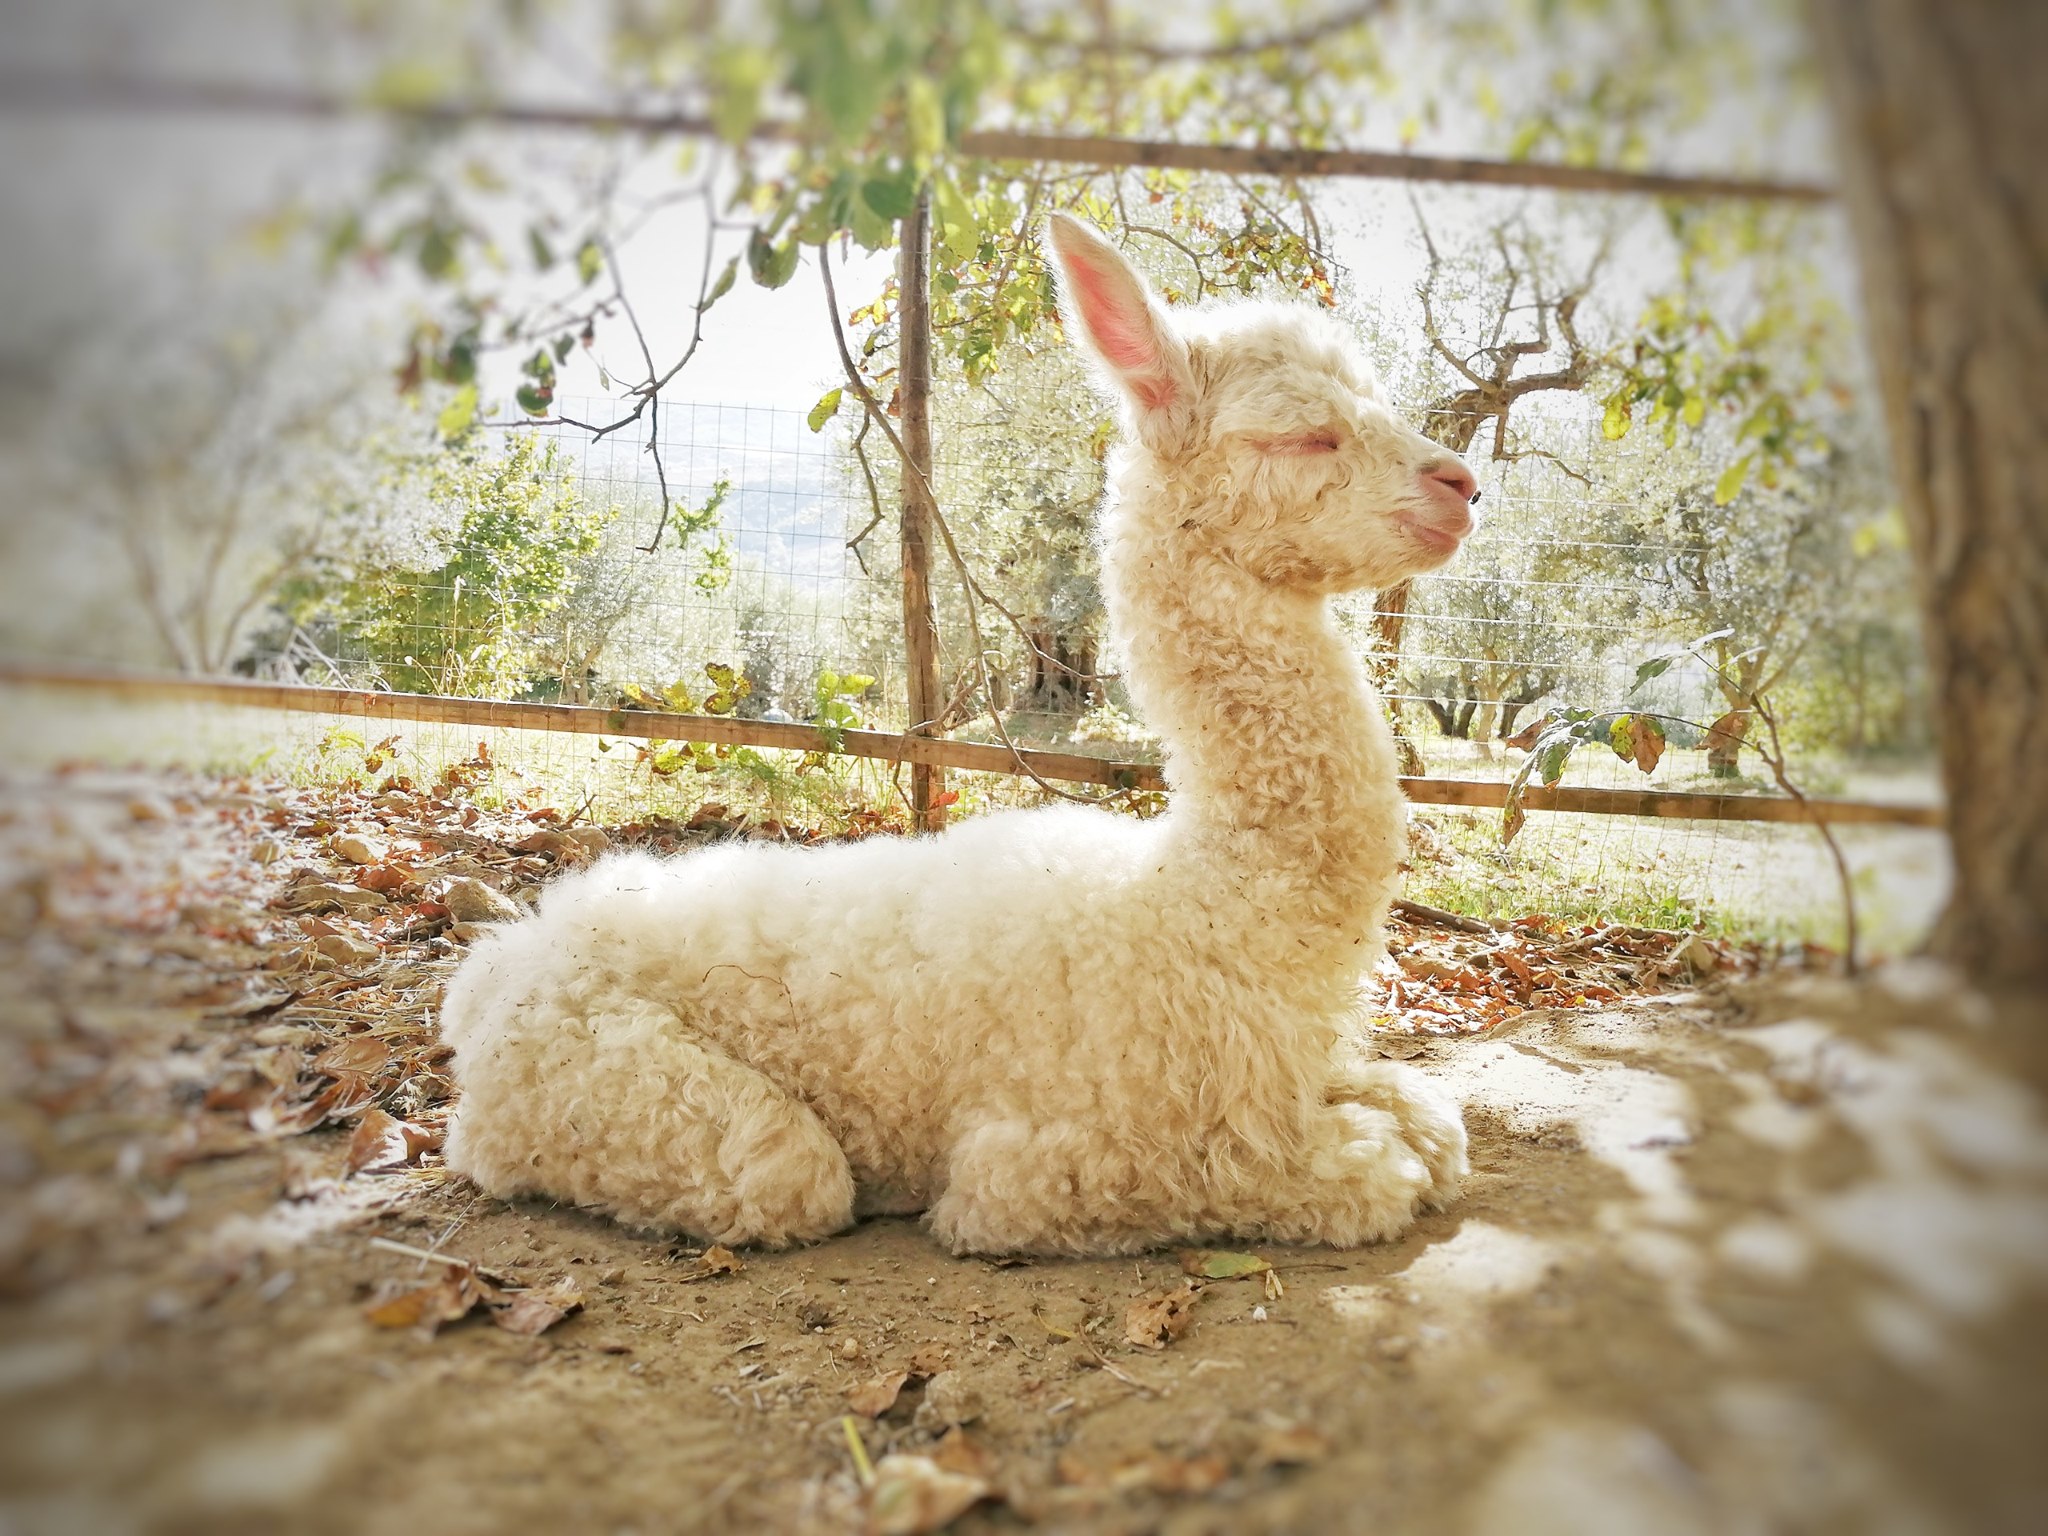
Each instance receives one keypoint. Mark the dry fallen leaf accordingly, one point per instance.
(1219, 1264)
(1159, 1317)
(384, 1141)
(957, 1451)
(928, 1360)
(360, 1056)
(872, 1399)
(1161, 1472)
(427, 1306)
(715, 1260)
(914, 1494)
(1294, 1446)
(536, 1311)
(1185, 1474)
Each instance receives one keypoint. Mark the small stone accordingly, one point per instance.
(358, 850)
(469, 900)
(341, 948)
(949, 1400)
(593, 839)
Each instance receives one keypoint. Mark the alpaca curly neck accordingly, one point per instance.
(1276, 743)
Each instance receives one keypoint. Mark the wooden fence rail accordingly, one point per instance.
(886, 746)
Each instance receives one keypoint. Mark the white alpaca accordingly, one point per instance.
(1057, 1030)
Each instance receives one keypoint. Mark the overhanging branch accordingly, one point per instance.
(95, 93)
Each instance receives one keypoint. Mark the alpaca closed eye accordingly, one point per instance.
(1299, 443)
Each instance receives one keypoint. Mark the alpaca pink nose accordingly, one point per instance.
(1453, 473)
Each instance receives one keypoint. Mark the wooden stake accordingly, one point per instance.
(914, 395)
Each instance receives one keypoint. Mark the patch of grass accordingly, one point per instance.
(1741, 880)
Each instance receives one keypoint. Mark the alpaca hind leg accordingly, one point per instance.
(619, 1111)
(1431, 1121)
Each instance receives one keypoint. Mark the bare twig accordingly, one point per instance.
(1416, 911)
(1775, 759)
(425, 1256)
(860, 453)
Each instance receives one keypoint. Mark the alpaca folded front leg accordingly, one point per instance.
(1359, 1180)
(1014, 1186)
(1430, 1119)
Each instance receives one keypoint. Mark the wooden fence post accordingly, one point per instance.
(914, 390)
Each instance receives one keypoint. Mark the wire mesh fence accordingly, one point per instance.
(768, 586)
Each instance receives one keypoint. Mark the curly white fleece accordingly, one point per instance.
(1059, 1030)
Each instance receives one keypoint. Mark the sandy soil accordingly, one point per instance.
(1768, 1256)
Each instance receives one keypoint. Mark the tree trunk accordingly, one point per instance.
(914, 394)
(1390, 616)
(1941, 149)
(1725, 739)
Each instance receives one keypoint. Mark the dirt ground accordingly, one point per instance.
(1769, 1254)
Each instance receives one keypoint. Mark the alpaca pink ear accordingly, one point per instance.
(1114, 313)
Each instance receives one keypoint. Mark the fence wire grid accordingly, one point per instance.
(779, 560)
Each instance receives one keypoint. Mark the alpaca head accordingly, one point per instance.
(1311, 479)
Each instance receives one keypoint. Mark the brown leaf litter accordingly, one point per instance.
(1157, 1318)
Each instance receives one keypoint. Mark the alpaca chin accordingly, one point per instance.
(1058, 1031)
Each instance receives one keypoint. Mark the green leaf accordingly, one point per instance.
(954, 217)
(1220, 1264)
(437, 251)
(458, 414)
(458, 364)
(537, 244)
(1729, 486)
(826, 408)
(1551, 756)
(723, 286)
(892, 196)
(1621, 736)
(1614, 421)
(589, 261)
(535, 399)
(924, 116)
(1656, 666)
(771, 264)
(871, 231)
(740, 74)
